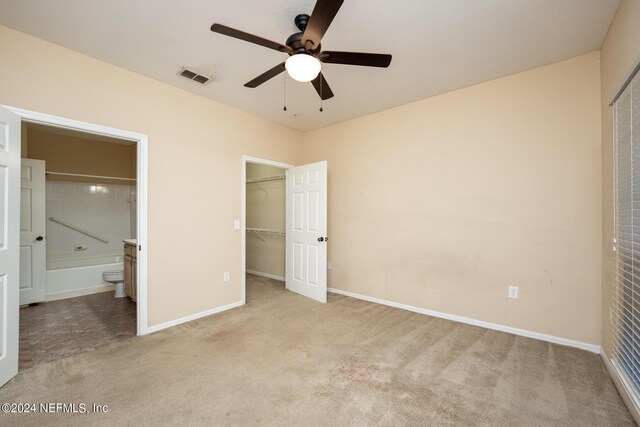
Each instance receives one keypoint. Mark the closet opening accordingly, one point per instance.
(264, 215)
(284, 229)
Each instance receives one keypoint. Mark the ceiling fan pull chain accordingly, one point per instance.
(321, 109)
(285, 93)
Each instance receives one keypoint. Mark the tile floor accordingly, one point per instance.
(58, 329)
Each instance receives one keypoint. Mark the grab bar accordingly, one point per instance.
(73, 227)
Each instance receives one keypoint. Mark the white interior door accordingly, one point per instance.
(307, 230)
(33, 253)
(9, 242)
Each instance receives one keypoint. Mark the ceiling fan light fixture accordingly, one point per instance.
(303, 67)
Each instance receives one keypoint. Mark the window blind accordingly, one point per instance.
(625, 310)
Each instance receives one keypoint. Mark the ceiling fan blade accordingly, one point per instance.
(232, 32)
(322, 87)
(321, 17)
(356, 58)
(266, 76)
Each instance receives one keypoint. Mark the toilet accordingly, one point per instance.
(116, 277)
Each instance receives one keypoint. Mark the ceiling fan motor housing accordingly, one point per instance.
(295, 40)
(301, 21)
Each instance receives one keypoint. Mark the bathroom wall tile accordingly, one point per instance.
(102, 209)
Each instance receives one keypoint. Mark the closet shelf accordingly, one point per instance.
(266, 178)
(266, 231)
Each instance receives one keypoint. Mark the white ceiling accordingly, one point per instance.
(437, 45)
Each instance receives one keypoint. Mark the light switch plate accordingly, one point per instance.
(513, 292)
(236, 224)
(227, 276)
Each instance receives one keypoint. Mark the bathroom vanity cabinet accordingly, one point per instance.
(130, 270)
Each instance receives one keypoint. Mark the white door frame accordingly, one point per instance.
(243, 220)
(142, 144)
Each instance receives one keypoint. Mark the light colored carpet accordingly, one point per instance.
(286, 360)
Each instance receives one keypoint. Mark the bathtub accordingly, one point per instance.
(68, 278)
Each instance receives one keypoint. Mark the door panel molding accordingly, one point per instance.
(33, 253)
(10, 129)
(307, 230)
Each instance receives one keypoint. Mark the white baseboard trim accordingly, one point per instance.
(488, 325)
(81, 292)
(623, 387)
(267, 275)
(191, 317)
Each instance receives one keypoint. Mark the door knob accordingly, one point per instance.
(320, 239)
(39, 238)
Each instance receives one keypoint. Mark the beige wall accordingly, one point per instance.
(443, 203)
(195, 157)
(266, 209)
(440, 204)
(620, 53)
(70, 154)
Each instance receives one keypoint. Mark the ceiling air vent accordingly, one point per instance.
(192, 75)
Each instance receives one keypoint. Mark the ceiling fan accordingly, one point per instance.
(304, 49)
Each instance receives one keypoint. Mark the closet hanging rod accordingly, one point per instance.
(266, 231)
(266, 178)
(89, 176)
(80, 230)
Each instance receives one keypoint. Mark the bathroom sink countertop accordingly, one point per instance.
(130, 241)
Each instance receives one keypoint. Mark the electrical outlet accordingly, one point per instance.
(513, 292)
(227, 276)
(236, 224)
(79, 247)
(328, 265)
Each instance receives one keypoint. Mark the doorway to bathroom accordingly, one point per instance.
(78, 222)
(65, 305)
